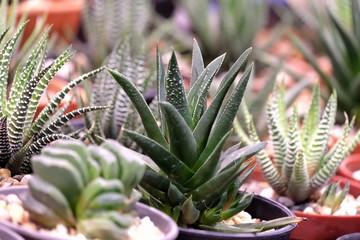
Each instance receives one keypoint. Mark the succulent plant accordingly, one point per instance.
(128, 58)
(302, 158)
(105, 22)
(21, 133)
(224, 26)
(190, 178)
(336, 27)
(333, 196)
(97, 195)
(10, 22)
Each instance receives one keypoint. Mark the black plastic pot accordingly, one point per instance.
(261, 208)
(351, 236)
(160, 219)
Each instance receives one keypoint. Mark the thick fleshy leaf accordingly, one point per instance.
(197, 64)
(169, 163)
(182, 142)
(226, 117)
(203, 128)
(175, 92)
(140, 104)
(222, 180)
(206, 168)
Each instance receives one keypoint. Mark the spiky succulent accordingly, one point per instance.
(303, 162)
(128, 58)
(21, 133)
(89, 188)
(190, 178)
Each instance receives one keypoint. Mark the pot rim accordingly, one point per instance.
(280, 231)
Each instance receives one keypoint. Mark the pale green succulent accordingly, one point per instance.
(302, 162)
(333, 196)
(21, 133)
(190, 178)
(89, 188)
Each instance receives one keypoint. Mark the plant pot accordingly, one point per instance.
(260, 207)
(63, 15)
(160, 219)
(351, 236)
(8, 234)
(350, 165)
(323, 227)
(55, 86)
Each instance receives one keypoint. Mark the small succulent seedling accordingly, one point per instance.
(303, 162)
(333, 196)
(191, 179)
(89, 188)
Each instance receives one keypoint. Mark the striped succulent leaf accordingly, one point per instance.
(193, 180)
(309, 163)
(21, 134)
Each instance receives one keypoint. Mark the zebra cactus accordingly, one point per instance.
(128, 58)
(97, 195)
(21, 133)
(302, 162)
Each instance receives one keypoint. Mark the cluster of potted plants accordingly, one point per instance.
(164, 167)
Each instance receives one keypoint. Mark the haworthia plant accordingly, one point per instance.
(193, 181)
(105, 22)
(23, 134)
(303, 162)
(129, 58)
(96, 196)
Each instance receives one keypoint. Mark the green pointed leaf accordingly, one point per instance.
(182, 142)
(175, 92)
(206, 167)
(222, 180)
(197, 65)
(170, 164)
(226, 117)
(141, 106)
(203, 128)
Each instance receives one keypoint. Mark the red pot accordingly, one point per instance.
(63, 15)
(55, 86)
(327, 227)
(349, 166)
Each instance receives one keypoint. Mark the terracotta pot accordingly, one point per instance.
(55, 86)
(350, 165)
(327, 227)
(260, 207)
(63, 15)
(160, 219)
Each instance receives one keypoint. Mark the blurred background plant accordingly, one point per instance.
(336, 26)
(224, 26)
